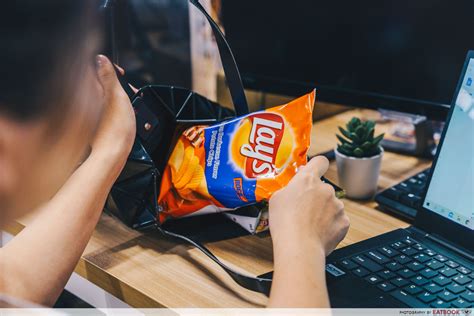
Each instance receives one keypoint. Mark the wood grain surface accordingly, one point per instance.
(147, 270)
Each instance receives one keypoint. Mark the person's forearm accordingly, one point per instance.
(299, 279)
(38, 262)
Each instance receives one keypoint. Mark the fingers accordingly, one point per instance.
(339, 205)
(120, 69)
(340, 228)
(106, 74)
(318, 165)
(135, 90)
(344, 224)
(102, 60)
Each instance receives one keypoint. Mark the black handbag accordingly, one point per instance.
(161, 111)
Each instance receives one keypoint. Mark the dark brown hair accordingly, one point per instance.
(40, 41)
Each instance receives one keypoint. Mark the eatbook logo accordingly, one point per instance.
(264, 140)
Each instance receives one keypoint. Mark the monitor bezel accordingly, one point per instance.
(430, 221)
(348, 97)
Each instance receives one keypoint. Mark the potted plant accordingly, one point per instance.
(358, 158)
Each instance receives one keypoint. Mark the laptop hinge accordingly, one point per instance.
(417, 231)
(440, 240)
(443, 242)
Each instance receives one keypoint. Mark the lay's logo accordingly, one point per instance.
(264, 140)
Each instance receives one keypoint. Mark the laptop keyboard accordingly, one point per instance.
(405, 197)
(414, 274)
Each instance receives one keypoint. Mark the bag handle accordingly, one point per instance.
(256, 284)
(231, 70)
(107, 13)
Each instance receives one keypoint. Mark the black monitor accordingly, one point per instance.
(403, 55)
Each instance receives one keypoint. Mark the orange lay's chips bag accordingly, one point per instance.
(237, 162)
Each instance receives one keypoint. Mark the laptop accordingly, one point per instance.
(429, 264)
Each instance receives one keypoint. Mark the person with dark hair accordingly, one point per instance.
(66, 129)
(60, 108)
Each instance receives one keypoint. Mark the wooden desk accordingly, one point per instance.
(150, 271)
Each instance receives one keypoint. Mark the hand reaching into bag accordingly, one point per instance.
(66, 222)
(116, 132)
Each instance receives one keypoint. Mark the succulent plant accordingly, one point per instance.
(358, 140)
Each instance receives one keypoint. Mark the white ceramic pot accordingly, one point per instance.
(358, 176)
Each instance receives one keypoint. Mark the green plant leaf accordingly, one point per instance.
(358, 152)
(343, 151)
(360, 131)
(373, 151)
(366, 146)
(371, 134)
(378, 139)
(352, 124)
(343, 140)
(344, 132)
(364, 135)
(370, 124)
(347, 147)
(355, 138)
(349, 127)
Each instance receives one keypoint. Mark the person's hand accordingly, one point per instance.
(307, 212)
(116, 132)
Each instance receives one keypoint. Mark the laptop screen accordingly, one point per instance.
(451, 192)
